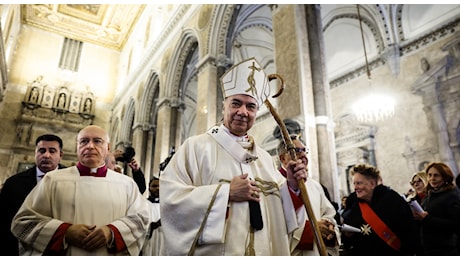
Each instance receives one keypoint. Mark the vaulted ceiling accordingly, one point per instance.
(110, 26)
(101, 24)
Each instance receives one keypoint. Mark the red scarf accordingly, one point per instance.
(306, 240)
(379, 227)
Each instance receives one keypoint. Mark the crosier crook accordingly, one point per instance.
(291, 149)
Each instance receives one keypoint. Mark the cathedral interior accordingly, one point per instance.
(149, 74)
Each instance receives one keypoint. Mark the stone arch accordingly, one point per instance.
(188, 87)
(178, 63)
(368, 15)
(250, 34)
(148, 109)
(126, 133)
(416, 20)
(114, 132)
(147, 117)
(346, 19)
(221, 20)
(389, 33)
(245, 18)
(183, 68)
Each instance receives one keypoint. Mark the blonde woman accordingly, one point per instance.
(419, 181)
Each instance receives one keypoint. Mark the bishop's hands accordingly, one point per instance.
(296, 170)
(88, 237)
(243, 188)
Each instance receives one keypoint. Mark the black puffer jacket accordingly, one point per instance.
(395, 212)
(439, 228)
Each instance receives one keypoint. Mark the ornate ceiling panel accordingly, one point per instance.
(105, 25)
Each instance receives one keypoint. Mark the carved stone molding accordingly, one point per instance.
(45, 102)
(354, 143)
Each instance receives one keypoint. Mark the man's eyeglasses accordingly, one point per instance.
(96, 141)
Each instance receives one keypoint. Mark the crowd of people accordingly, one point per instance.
(221, 194)
(424, 221)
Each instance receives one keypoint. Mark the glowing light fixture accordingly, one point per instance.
(373, 107)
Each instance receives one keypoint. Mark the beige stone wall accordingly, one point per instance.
(410, 119)
(38, 54)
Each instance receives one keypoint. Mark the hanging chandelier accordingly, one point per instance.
(375, 106)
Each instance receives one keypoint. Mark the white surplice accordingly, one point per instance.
(65, 196)
(154, 237)
(322, 209)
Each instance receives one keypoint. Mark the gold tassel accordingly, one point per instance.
(250, 248)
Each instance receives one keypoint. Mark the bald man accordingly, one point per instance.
(111, 163)
(86, 209)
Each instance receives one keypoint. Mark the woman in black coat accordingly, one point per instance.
(389, 206)
(440, 218)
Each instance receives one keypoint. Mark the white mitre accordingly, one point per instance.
(248, 78)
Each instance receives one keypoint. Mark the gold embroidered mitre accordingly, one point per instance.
(248, 78)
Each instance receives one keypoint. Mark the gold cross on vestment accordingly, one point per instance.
(251, 80)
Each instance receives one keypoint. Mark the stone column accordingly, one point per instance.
(206, 94)
(300, 60)
(148, 168)
(223, 63)
(371, 146)
(3, 70)
(164, 136)
(322, 103)
(440, 128)
(289, 45)
(445, 153)
(138, 143)
(431, 87)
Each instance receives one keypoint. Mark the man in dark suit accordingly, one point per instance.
(48, 154)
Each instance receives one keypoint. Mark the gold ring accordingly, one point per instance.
(255, 194)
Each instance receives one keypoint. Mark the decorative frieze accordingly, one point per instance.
(60, 100)
(56, 107)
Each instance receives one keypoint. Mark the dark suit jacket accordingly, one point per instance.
(139, 178)
(12, 195)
